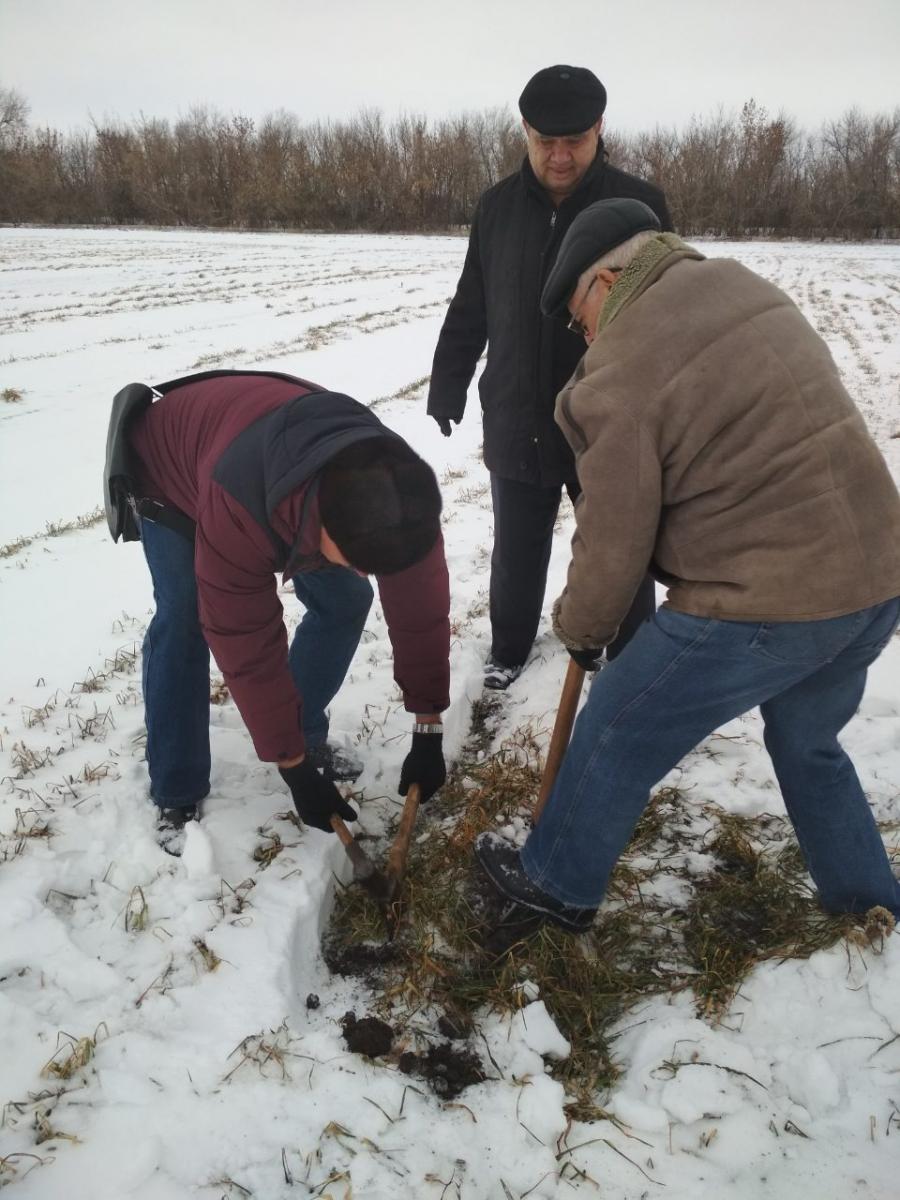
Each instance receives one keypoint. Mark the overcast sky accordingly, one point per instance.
(661, 61)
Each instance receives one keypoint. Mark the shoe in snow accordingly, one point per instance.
(500, 925)
(170, 827)
(501, 863)
(498, 677)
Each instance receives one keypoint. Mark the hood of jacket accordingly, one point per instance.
(284, 449)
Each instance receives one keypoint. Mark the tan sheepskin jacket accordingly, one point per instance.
(715, 441)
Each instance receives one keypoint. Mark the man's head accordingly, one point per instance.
(599, 243)
(562, 112)
(379, 505)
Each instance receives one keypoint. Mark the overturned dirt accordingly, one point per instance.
(448, 1069)
(455, 1026)
(368, 1035)
(360, 960)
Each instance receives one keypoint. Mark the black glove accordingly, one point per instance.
(588, 660)
(444, 425)
(424, 765)
(315, 798)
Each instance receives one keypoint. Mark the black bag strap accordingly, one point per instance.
(162, 514)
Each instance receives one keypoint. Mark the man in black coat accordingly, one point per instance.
(516, 231)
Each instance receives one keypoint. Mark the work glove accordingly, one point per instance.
(444, 425)
(315, 797)
(588, 660)
(424, 765)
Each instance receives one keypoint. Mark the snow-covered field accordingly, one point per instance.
(223, 1082)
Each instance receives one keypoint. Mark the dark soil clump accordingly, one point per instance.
(454, 1026)
(363, 959)
(447, 1068)
(368, 1036)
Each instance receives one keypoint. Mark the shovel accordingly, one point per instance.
(383, 886)
(562, 732)
(502, 931)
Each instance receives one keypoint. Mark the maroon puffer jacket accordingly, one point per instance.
(236, 453)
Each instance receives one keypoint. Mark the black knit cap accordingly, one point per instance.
(596, 230)
(381, 505)
(563, 100)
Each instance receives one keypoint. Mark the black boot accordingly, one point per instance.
(522, 906)
(170, 827)
(498, 678)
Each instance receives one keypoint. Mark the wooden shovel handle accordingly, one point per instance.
(562, 732)
(344, 834)
(399, 852)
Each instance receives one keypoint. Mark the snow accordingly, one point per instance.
(226, 1082)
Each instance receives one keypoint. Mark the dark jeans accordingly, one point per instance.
(524, 516)
(680, 678)
(176, 661)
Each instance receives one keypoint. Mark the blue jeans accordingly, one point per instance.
(680, 678)
(176, 661)
(337, 602)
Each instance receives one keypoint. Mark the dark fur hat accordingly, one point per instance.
(381, 505)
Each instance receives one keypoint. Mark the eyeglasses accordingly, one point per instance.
(576, 324)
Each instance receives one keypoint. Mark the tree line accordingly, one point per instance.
(733, 175)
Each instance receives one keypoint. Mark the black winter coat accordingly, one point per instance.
(516, 232)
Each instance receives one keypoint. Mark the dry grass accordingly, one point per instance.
(232, 901)
(269, 1051)
(270, 847)
(753, 905)
(137, 911)
(436, 963)
(31, 824)
(94, 727)
(27, 760)
(208, 958)
(39, 716)
(45, 1132)
(14, 1167)
(8, 549)
(404, 393)
(73, 1055)
(10, 848)
(123, 662)
(54, 529)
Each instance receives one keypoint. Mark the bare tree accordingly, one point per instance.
(13, 118)
(733, 174)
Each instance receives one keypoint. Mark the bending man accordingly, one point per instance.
(230, 478)
(713, 437)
